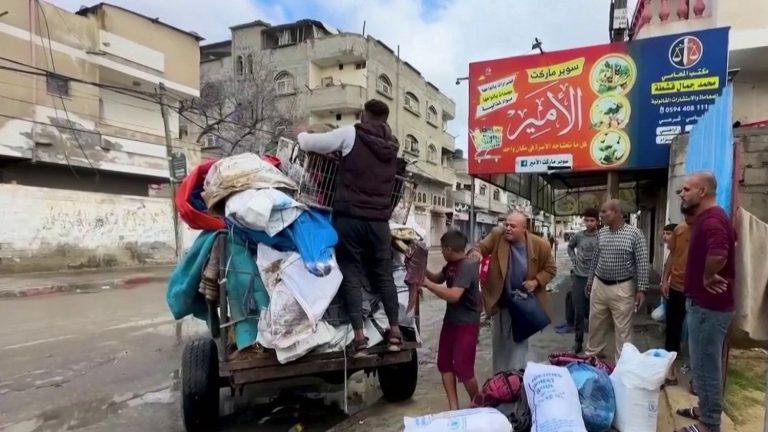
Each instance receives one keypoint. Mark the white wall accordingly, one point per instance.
(48, 229)
(136, 114)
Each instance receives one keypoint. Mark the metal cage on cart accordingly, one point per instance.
(316, 177)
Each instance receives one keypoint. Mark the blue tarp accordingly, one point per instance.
(710, 146)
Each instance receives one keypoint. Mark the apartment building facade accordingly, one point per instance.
(326, 76)
(82, 138)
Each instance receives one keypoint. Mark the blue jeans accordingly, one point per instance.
(706, 335)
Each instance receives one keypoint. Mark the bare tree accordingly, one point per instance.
(245, 110)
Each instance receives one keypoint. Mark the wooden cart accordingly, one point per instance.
(208, 364)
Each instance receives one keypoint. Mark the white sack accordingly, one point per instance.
(467, 420)
(344, 334)
(553, 399)
(324, 333)
(637, 382)
(241, 172)
(314, 294)
(267, 210)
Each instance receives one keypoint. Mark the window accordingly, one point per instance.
(412, 102)
(240, 66)
(360, 66)
(326, 81)
(483, 190)
(57, 85)
(384, 85)
(338, 117)
(249, 64)
(341, 67)
(432, 153)
(411, 144)
(434, 200)
(496, 195)
(432, 115)
(284, 83)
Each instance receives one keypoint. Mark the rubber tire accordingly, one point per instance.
(398, 382)
(200, 386)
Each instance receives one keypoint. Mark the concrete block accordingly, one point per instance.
(756, 143)
(755, 159)
(756, 176)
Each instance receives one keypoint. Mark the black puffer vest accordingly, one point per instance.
(366, 176)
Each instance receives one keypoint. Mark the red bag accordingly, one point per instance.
(564, 359)
(484, 264)
(504, 387)
(193, 215)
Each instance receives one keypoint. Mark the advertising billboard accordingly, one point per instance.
(605, 107)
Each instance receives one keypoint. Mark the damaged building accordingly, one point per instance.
(83, 159)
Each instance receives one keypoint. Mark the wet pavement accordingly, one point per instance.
(109, 361)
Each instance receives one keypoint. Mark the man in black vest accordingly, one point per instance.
(362, 207)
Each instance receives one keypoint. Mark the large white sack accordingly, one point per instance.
(467, 420)
(238, 173)
(553, 399)
(637, 382)
(314, 294)
(343, 335)
(324, 333)
(284, 322)
(267, 210)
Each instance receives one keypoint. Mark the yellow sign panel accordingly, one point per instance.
(687, 85)
(554, 72)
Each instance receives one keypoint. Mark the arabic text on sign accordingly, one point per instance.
(554, 72)
(685, 73)
(688, 85)
(495, 95)
(566, 105)
(681, 99)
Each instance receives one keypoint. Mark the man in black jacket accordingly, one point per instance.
(362, 208)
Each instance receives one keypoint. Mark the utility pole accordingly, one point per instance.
(171, 174)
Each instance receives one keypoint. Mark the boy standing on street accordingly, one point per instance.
(461, 325)
(581, 249)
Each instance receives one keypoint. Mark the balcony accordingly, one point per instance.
(660, 17)
(338, 49)
(337, 99)
(748, 19)
(448, 142)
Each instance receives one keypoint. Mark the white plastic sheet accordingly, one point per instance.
(324, 334)
(637, 382)
(314, 294)
(239, 173)
(267, 210)
(553, 399)
(467, 420)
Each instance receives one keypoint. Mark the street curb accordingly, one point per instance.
(92, 286)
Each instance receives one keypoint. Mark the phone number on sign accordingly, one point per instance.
(684, 108)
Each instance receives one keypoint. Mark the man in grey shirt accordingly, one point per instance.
(581, 249)
(617, 280)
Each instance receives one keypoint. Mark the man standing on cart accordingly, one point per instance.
(362, 207)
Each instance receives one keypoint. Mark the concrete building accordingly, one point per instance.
(490, 202)
(81, 156)
(328, 75)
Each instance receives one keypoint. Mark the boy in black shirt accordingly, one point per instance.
(461, 325)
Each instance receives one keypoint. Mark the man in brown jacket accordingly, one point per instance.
(519, 260)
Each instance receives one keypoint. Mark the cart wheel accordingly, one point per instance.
(398, 382)
(200, 386)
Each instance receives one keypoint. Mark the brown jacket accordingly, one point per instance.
(541, 266)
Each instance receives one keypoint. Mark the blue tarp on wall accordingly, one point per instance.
(710, 146)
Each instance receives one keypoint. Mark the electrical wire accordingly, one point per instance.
(63, 103)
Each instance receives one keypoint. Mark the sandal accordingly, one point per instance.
(360, 348)
(689, 413)
(395, 343)
(670, 382)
